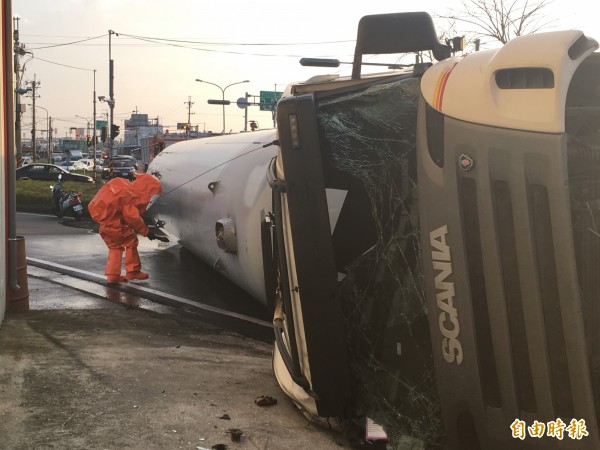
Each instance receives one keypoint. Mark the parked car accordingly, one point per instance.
(119, 166)
(87, 165)
(83, 164)
(49, 172)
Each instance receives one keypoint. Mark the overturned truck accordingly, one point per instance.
(427, 239)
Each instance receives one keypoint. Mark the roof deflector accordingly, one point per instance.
(396, 33)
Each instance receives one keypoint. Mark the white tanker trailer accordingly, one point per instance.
(214, 190)
(426, 238)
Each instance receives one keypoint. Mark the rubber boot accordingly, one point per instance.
(137, 275)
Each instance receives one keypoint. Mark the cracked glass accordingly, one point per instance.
(368, 140)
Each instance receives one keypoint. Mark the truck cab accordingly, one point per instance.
(432, 238)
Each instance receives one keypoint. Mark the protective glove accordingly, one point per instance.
(153, 236)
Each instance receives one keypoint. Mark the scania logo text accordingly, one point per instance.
(448, 319)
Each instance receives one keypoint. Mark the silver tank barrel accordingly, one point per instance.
(213, 192)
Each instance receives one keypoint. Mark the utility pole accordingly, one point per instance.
(187, 128)
(34, 85)
(111, 94)
(49, 140)
(94, 119)
(246, 113)
(33, 144)
(19, 50)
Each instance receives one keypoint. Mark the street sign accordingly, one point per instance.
(242, 103)
(268, 100)
(101, 124)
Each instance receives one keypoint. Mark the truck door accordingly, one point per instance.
(311, 342)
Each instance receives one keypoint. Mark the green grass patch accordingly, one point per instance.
(35, 196)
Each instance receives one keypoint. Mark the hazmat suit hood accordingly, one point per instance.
(146, 186)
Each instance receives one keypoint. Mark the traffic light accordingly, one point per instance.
(253, 125)
(103, 134)
(114, 132)
(89, 141)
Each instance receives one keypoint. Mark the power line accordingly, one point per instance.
(185, 41)
(211, 50)
(248, 44)
(64, 65)
(100, 45)
(179, 44)
(69, 43)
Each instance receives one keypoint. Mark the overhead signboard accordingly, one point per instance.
(100, 123)
(268, 100)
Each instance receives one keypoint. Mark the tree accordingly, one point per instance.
(500, 20)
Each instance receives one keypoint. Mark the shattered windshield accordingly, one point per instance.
(368, 140)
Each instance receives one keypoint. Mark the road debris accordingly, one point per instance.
(236, 434)
(265, 400)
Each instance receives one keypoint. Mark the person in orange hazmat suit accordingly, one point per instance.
(117, 207)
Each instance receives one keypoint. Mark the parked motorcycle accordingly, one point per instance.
(66, 203)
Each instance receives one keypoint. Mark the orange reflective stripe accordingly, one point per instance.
(441, 86)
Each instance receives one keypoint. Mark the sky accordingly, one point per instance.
(160, 48)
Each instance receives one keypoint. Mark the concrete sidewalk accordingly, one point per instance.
(105, 376)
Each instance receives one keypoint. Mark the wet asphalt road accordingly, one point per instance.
(172, 269)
